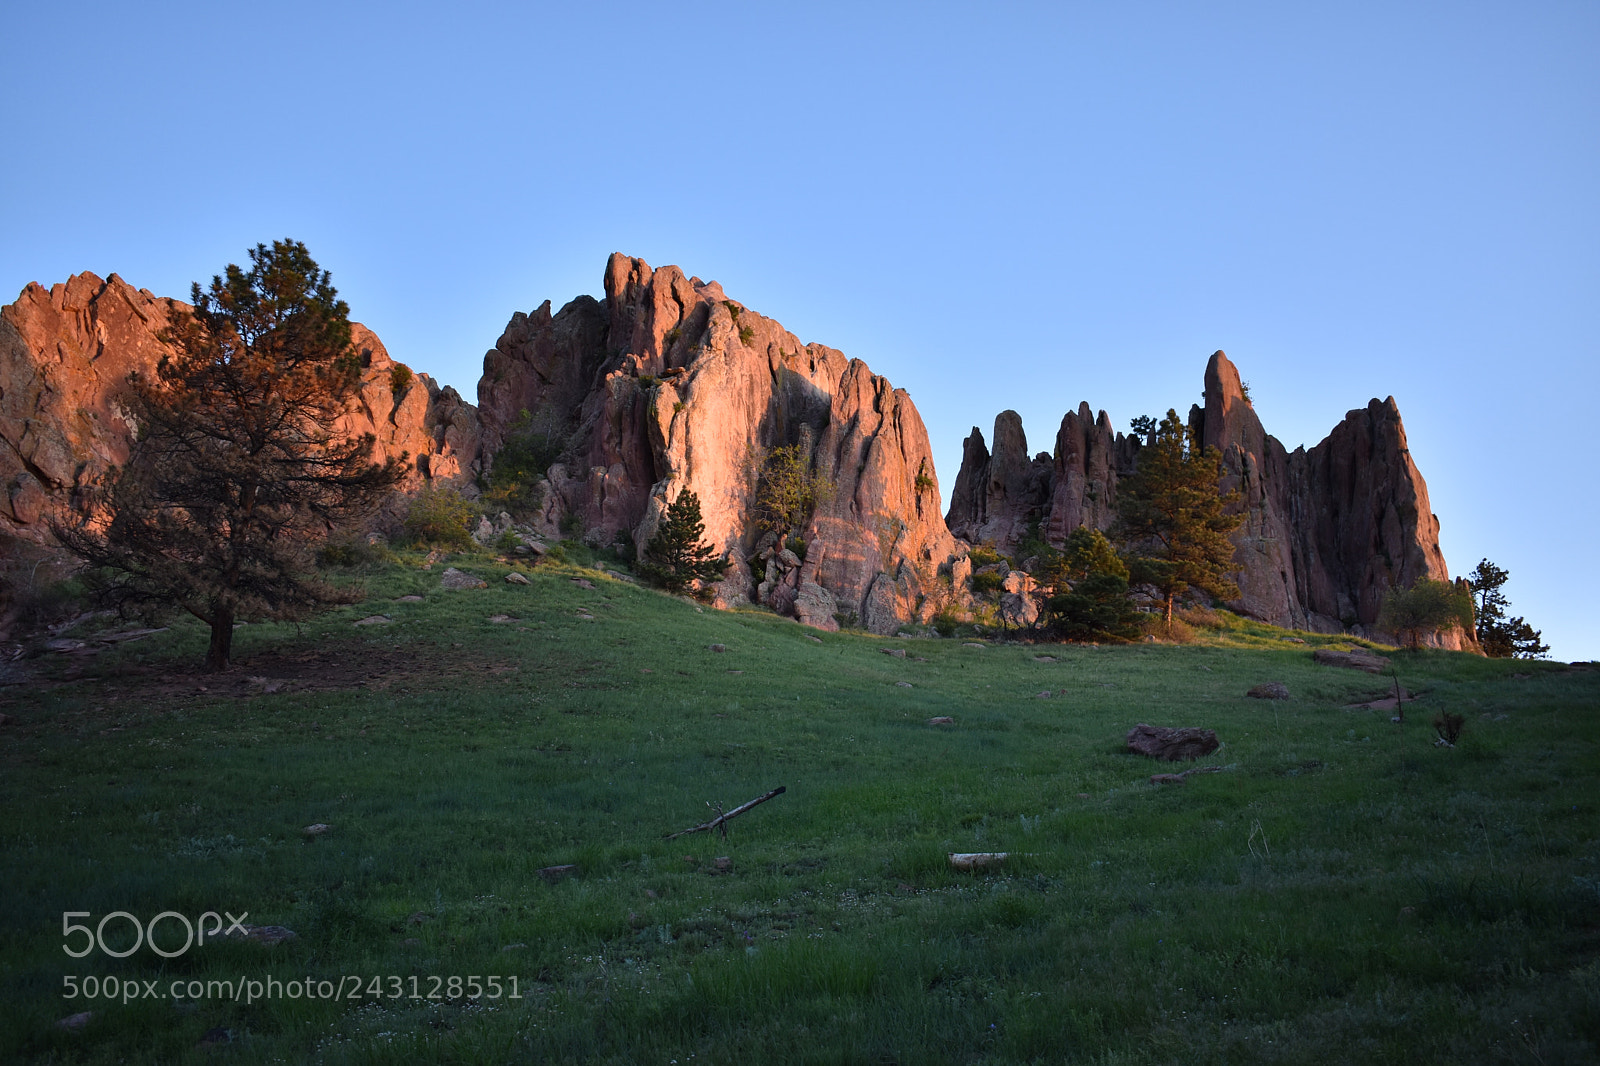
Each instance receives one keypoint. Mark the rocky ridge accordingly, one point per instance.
(668, 385)
(65, 356)
(1327, 532)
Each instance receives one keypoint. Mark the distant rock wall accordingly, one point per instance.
(667, 385)
(1326, 532)
(65, 356)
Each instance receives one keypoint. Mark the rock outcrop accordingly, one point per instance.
(668, 385)
(65, 356)
(1003, 497)
(1326, 532)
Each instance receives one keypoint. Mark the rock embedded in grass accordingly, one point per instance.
(898, 653)
(460, 579)
(1271, 690)
(942, 719)
(514, 578)
(374, 620)
(1173, 745)
(1352, 660)
(267, 935)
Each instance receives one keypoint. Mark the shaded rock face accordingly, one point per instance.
(668, 385)
(65, 356)
(1326, 532)
(1003, 496)
(998, 494)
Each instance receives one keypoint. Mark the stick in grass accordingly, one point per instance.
(721, 820)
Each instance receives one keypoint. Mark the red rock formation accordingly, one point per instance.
(65, 356)
(998, 495)
(1326, 533)
(669, 385)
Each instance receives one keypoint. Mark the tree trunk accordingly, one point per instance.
(221, 640)
(1169, 613)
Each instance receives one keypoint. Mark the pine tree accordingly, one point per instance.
(239, 468)
(1173, 515)
(676, 556)
(1501, 637)
(1090, 598)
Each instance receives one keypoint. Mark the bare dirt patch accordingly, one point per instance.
(294, 668)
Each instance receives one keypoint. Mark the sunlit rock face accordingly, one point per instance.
(65, 356)
(667, 385)
(1326, 533)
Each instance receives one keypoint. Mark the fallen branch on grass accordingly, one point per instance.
(721, 820)
(977, 860)
(1178, 779)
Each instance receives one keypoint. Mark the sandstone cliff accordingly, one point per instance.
(1327, 532)
(65, 356)
(667, 385)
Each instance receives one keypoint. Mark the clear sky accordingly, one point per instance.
(995, 206)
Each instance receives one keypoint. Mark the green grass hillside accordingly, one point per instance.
(1344, 890)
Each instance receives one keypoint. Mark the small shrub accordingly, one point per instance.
(647, 381)
(1176, 631)
(441, 517)
(924, 482)
(672, 335)
(1202, 617)
(1448, 725)
(983, 555)
(506, 541)
(746, 334)
(796, 545)
(400, 378)
(946, 621)
(987, 582)
(531, 445)
(350, 551)
(677, 406)
(733, 309)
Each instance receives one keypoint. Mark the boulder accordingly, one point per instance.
(460, 579)
(1173, 745)
(514, 578)
(816, 607)
(1018, 610)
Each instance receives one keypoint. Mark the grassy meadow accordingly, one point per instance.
(1343, 890)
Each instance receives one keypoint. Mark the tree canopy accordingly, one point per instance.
(1174, 517)
(1426, 607)
(1089, 599)
(239, 467)
(786, 489)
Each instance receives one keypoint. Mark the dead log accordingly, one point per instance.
(976, 860)
(721, 820)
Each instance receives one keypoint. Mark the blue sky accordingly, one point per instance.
(996, 206)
